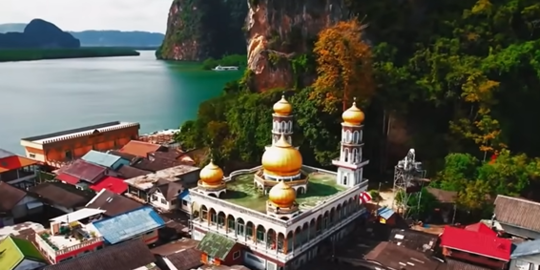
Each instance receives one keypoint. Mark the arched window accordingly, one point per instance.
(355, 155)
(356, 137)
(346, 155)
(345, 180)
(282, 126)
(348, 135)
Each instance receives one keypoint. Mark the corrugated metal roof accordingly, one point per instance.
(84, 170)
(477, 243)
(385, 212)
(99, 158)
(526, 249)
(130, 224)
(184, 195)
(216, 245)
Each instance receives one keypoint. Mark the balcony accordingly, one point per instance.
(66, 239)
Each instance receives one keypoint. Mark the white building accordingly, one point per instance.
(284, 212)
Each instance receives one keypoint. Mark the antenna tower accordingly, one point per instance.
(409, 178)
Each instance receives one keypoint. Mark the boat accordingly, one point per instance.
(225, 68)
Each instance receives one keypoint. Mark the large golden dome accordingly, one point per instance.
(211, 174)
(353, 116)
(282, 195)
(282, 159)
(282, 107)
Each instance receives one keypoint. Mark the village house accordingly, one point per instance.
(110, 183)
(112, 203)
(172, 154)
(16, 204)
(106, 160)
(414, 240)
(164, 195)
(71, 235)
(139, 223)
(127, 172)
(81, 173)
(219, 250)
(16, 170)
(140, 187)
(63, 197)
(130, 255)
(178, 255)
(447, 205)
(526, 256)
(61, 148)
(140, 149)
(19, 254)
(155, 165)
(515, 218)
(477, 244)
(387, 255)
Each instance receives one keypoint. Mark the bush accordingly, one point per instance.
(228, 60)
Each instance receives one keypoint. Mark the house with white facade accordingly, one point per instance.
(164, 195)
(526, 256)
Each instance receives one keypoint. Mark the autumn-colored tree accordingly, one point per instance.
(344, 65)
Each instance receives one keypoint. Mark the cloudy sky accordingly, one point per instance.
(77, 15)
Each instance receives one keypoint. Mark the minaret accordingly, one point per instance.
(350, 163)
(282, 121)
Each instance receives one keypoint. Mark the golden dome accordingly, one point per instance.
(353, 116)
(282, 159)
(211, 174)
(282, 195)
(282, 107)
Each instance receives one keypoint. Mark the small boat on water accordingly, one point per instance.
(225, 68)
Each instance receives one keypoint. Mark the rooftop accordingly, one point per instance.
(14, 162)
(110, 183)
(113, 204)
(65, 236)
(242, 191)
(61, 194)
(15, 250)
(474, 242)
(21, 228)
(84, 170)
(128, 225)
(9, 196)
(78, 215)
(517, 212)
(78, 132)
(125, 256)
(145, 182)
(139, 148)
(100, 158)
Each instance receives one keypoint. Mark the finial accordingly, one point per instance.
(283, 95)
(354, 101)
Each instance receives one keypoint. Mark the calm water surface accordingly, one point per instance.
(52, 95)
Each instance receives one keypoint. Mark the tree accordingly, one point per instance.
(344, 65)
(419, 205)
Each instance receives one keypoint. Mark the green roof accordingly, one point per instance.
(216, 245)
(14, 251)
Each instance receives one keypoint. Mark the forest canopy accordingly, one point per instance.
(462, 75)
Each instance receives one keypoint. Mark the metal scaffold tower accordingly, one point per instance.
(409, 178)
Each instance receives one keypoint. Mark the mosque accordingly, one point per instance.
(284, 213)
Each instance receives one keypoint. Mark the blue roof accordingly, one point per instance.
(102, 159)
(526, 249)
(184, 195)
(385, 212)
(130, 224)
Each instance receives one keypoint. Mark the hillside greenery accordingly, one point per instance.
(9, 55)
(463, 76)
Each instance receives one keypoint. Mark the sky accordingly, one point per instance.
(78, 15)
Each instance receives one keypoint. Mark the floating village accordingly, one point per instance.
(104, 197)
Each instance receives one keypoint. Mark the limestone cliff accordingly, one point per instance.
(39, 34)
(277, 30)
(198, 29)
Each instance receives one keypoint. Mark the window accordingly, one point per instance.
(155, 198)
(236, 255)
(32, 155)
(184, 202)
(163, 201)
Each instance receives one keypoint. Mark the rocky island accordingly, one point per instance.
(44, 40)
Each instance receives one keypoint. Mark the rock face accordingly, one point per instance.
(277, 30)
(199, 29)
(39, 34)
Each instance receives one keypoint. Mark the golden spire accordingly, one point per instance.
(282, 107)
(211, 174)
(353, 116)
(282, 159)
(282, 195)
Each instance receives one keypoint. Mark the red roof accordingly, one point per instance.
(111, 184)
(15, 162)
(476, 243)
(480, 227)
(84, 171)
(68, 178)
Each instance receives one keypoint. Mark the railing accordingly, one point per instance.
(240, 172)
(202, 185)
(45, 246)
(271, 183)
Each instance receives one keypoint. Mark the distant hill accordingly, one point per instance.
(38, 34)
(103, 38)
(12, 27)
(113, 38)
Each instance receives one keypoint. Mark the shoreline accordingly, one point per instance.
(18, 55)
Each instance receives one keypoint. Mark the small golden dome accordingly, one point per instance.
(282, 159)
(353, 116)
(211, 174)
(282, 195)
(282, 107)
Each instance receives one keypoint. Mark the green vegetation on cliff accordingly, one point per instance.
(228, 60)
(463, 76)
(41, 54)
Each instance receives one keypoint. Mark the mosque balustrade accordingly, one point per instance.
(267, 241)
(270, 181)
(206, 187)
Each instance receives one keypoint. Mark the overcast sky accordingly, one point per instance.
(77, 15)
